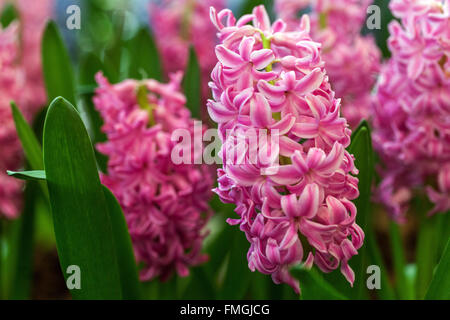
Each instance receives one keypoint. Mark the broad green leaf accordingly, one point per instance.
(20, 242)
(440, 284)
(28, 175)
(248, 5)
(192, 84)
(144, 57)
(30, 144)
(361, 148)
(237, 276)
(314, 287)
(82, 224)
(89, 66)
(382, 34)
(124, 248)
(427, 248)
(57, 67)
(398, 254)
(200, 286)
(8, 15)
(374, 258)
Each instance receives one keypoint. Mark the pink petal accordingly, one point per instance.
(228, 58)
(262, 58)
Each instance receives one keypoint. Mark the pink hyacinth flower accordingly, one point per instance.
(270, 80)
(179, 24)
(352, 61)
(411, 111)
(165, 205)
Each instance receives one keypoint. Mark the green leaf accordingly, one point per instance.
(8, 15)
(28, 175)
(398, 253)
(127, 263)
(89, 66)
(192, 84)
(82, 224)
(30, 144)
(427, 248)
(374, 258)
(361, 148)
(144, 56)
(440, 284)
(314, 287)
(248, 5)
(20, 248)
(237, 277)
(57, 67)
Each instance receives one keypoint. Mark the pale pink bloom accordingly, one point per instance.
(274, 80)
(352, 61)
(11, 84)
(165, 205)
(20, 81)
(411, 113)
(33, 18)
(179, 24)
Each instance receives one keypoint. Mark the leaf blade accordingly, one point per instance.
(192, 84)
(440, 284)
(127, 263)
(56, 66)
(33, 175)
(83, 229)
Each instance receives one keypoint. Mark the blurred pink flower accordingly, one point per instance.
(33, 18)
(165, 205)
(179, 24)
(271, 79)
(20, 81)
(11, 84)
(352, 61)
(411, 114)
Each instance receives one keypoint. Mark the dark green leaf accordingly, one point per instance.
(82, 224)
(89, 66)
(398, 255)
(192, 84)
(374, 258)
(440, 284)
(427, 248)
(144, 57)
(125, 257)
(57, 67)
(248, 5)
(237, 277)
(20, 259)
(28, 175)
(8, 15)
(314, 287)
(30, 144)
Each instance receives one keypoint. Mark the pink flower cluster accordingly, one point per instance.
(179, 24)
(33, 18)
(412, 107)
(273, 80)
(11, 84)
(352, 61)
(165, 205)
(20, 81)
